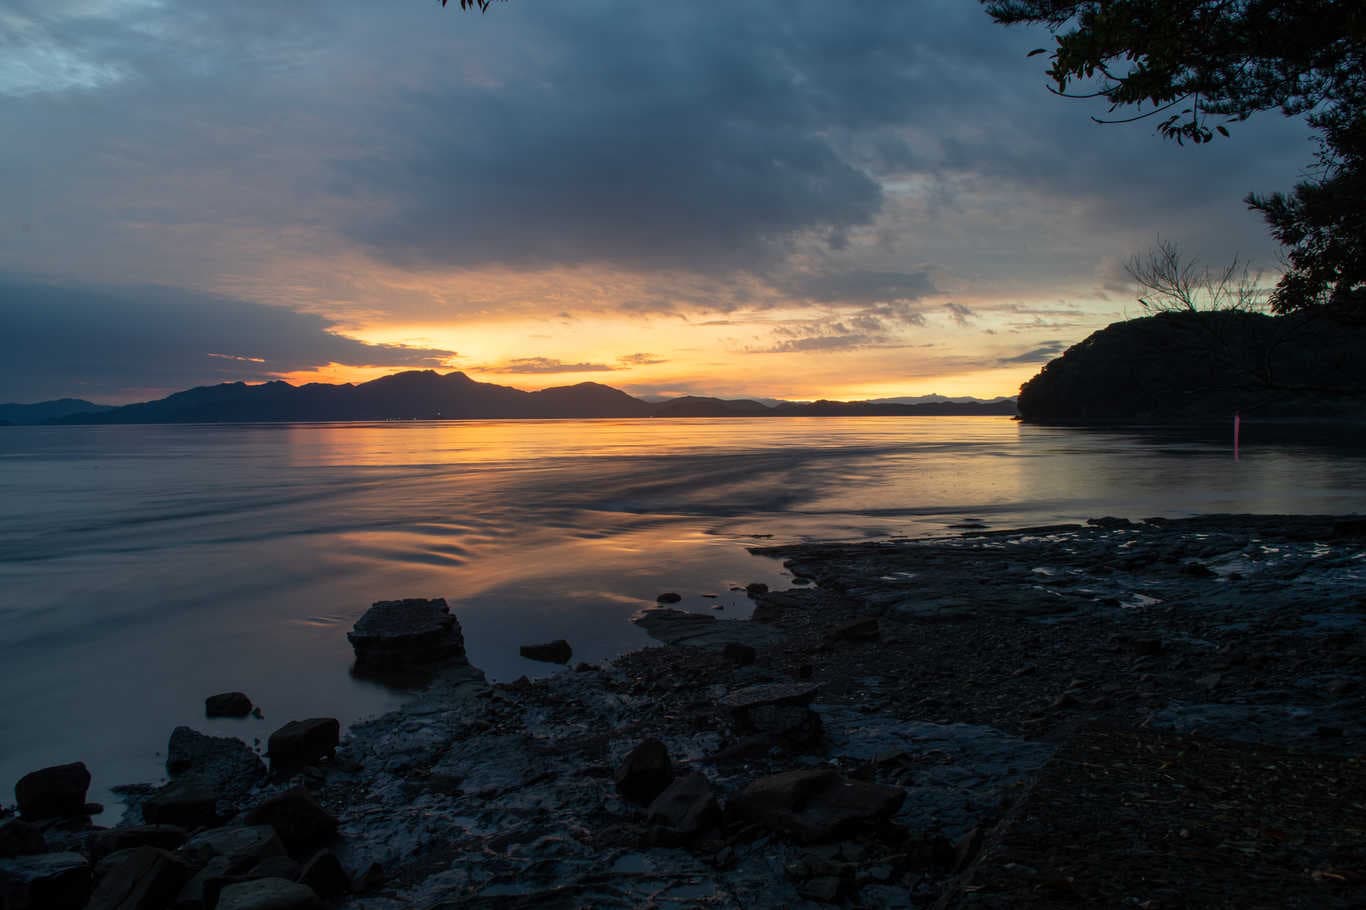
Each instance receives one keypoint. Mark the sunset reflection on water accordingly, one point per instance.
(149, 566)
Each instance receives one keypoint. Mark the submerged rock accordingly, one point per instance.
(396, 633)
(55, 792)
(227, 704)
(554, 652)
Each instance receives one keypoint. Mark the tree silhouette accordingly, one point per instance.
(1225, 60)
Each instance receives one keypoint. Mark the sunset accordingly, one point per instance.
(613, 454)
(828, 202)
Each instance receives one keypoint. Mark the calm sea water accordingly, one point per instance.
(143, 568)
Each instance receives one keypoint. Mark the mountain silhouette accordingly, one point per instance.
(428, 395)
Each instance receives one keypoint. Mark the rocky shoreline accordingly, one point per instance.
(1166, 713)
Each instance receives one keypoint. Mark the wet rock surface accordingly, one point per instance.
(396, 633)
(943, 720)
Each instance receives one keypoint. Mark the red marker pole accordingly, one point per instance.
(1237, 429)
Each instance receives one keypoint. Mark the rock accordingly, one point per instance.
(112, 840)
(55, 792)
(324, 874)
(268, 894)
(756, 587)
(185, 803)
(303, 742)
(769, 694)
(19, 838)
(1198, 570)
(865, 629)
(795, 724)
(276, 867)
(241, 847)
(227, 704)
(825, 889)
(1147, 647)
(395, 633)
(49, 881)
(816, 805)
(555, 652)
(297, 817)
(373, 877)
(668, 597)
(740, 655)
(645, 772)
(700, 630)
(222, 763)
(687, 806)
(195, 894)
(147, 879)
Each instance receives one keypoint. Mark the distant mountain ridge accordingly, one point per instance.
(45, 411)
(428, 395)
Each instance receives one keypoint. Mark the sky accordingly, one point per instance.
(772, 198)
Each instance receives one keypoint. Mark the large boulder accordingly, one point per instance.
(147, 879)
(50, 881)
(224, 764)
(55, 792)
(227, 704)
(189, 803)
(687, 807)
(112, 840)
(325, 875)
(303, 742)
(645, 772)
(397, 633)
(268, 894)
(816, 805)
(297, 818)
(242, 847)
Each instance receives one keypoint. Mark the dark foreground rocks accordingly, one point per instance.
(1057, 716)
(49, 881)
(303, 742)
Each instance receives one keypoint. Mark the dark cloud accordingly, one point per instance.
(1041, 354)
(545, 365)
(959, 313)
(116, 343)
(859, 286)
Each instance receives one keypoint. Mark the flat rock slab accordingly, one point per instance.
(268, 894)
(1135, 818)
(697, 630)
(751, 697)
(394, 633)
(50, 881)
